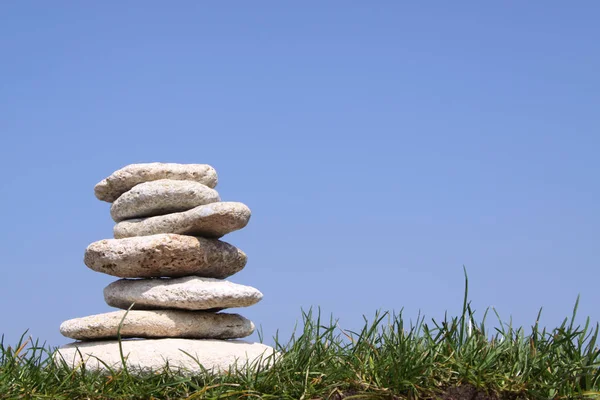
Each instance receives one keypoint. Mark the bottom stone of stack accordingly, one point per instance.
(183, 356)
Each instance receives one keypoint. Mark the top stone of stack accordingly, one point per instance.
(121, 181)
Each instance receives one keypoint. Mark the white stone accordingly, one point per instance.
(210, 220)
(152, 355)
(160, 197)
(189, 293)
(120, 181)
(164, 255)
(158, 324)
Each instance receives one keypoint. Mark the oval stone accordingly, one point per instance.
(210, 220)
(164, 255)
(186, 357)
(188, 293)
(158, 324)
(120, 181)
(160, 197)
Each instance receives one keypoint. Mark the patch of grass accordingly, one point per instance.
(457, 358)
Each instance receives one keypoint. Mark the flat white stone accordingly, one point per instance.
(184, 356)
(164, 255)
(210, 220)
(160, 197)
(188, 293)
(120, 181)
(158, 324)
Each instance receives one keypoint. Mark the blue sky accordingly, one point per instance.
(381, 147)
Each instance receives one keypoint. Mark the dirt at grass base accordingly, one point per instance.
(462, 392)
(469, 392)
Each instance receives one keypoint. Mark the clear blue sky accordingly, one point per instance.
(381, 147)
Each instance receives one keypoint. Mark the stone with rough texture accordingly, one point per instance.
(189, 293)
(164, 255)
(211, 220)
(120, 181)
(152, 355)
(161, 197)
(158, 324)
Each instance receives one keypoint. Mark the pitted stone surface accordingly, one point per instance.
(121, 181)
(151, 355)
(211, 220)
(160, 197)
(189, 293)
(164, 255)
(158, 324)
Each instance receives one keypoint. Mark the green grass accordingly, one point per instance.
(387, 359)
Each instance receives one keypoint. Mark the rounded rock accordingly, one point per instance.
(164, 255)
(189, 293)
(158, 324)
(160, 197)
(187, 357)
(213, 220)
(122, 180)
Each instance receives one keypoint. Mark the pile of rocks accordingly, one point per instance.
(168, 222)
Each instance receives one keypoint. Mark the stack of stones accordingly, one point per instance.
(167, 250)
